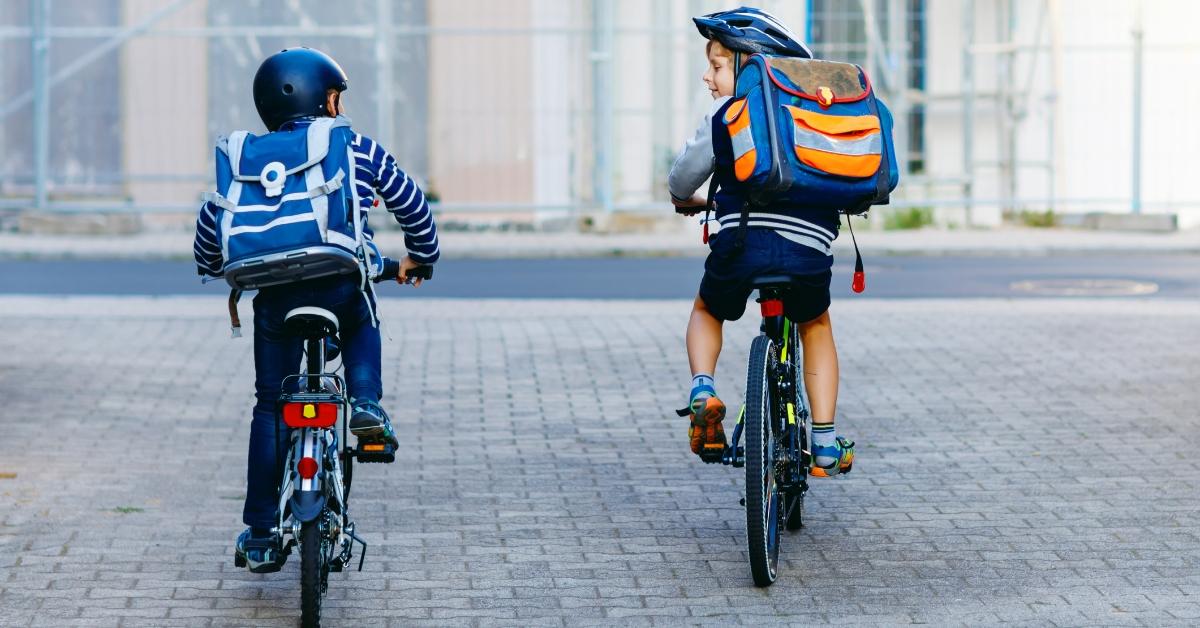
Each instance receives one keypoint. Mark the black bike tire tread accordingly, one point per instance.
(756, 525)
(310, 574)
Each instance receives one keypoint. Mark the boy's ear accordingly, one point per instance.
(331, 102)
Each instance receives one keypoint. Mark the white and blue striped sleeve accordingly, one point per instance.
(404, 199)
(206, 248)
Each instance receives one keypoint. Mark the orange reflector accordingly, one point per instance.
(374, 447)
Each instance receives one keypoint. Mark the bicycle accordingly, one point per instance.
(319, 465)
(775, 421)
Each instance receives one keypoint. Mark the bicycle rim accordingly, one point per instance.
(762, 496)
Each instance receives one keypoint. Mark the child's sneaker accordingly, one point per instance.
(706, 433)
(843, 454)
(259, 551)
(371, 424)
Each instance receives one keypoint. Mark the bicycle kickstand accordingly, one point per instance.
(363, 555)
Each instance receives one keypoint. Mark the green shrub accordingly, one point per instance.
(1039, 219)
(911, 218)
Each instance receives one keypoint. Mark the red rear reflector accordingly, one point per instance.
(299, 414)
(860, 282)
(772, 307)
(307, 468)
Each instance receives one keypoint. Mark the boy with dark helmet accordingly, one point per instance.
(779, 240)
(294, 89)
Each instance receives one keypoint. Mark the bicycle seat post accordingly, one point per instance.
(313, 324)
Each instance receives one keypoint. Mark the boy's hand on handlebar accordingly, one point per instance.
(407, 266)
(691, 206)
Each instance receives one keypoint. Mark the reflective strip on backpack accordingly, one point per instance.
(284, 220)
(737, 122)
(743, 142)
(870, 145)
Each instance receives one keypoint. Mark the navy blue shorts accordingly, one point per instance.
(728, 274)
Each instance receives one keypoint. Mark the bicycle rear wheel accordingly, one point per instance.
(314, 573)
(762, 494)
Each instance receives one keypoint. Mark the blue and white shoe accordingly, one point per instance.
(261, 554)
(842, 452)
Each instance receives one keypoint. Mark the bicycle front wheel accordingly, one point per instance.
(762, 494)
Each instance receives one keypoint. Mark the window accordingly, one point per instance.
(837, 30)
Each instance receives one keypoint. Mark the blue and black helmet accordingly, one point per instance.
(292, 83)
(749, 30)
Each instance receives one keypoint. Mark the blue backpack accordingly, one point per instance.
(288, 208)
(809, 133)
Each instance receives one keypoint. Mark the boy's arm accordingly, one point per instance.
(404, 199)
(206, 248)
(695, 164)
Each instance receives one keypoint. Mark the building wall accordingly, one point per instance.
(162, 109)
(1088, 132)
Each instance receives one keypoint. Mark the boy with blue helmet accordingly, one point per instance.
(778, 240)
(293, 89)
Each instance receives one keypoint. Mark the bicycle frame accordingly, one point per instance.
(786, 383)
(317, 492)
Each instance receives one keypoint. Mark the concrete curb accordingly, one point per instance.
(493, 245)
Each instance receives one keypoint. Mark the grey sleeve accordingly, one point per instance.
(695, 164)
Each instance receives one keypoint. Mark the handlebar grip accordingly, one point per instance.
(391, 270)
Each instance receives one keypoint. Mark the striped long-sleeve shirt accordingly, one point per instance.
(375, 172)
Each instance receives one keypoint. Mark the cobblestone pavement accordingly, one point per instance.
(1024, 462)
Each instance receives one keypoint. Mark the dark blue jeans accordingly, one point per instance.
(277, 355)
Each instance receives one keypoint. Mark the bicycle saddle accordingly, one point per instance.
(310, 322)
(772, 281)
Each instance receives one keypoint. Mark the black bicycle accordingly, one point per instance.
(775, 422)
(314, 513)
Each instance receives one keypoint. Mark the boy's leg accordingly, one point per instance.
(362, 358)
(275, 356)
(703, 339)
(820, 367)
(707, 411)
(832, 454)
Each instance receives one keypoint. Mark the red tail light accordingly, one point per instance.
(310, 414)
(860, 282)
(307, 468)
(772, 307)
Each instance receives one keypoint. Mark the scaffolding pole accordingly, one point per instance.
(603, 18)
(968, 118)
(1136, 204)
(383, 72)
(40, 12)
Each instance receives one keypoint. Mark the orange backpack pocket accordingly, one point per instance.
(847, 146)
(745, 155)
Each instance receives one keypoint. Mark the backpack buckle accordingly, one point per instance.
(272, 177)
(824, 96)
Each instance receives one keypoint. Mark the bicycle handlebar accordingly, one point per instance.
(391, 270)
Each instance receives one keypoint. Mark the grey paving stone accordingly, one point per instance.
(549, 483)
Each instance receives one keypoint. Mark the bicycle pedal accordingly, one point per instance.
(239, 560)
(375, 452)
(712, 453)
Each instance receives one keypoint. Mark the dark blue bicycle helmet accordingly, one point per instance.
(292, 83)
(749, 30)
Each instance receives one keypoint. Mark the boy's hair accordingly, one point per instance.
(721, 50)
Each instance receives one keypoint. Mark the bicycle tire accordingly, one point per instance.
(762, 499)
(313, 573)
